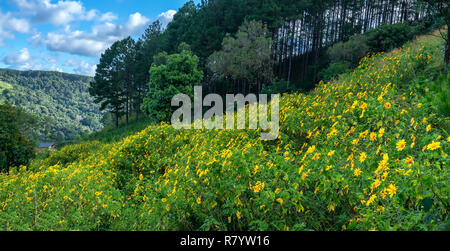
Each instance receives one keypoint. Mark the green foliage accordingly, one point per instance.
(387, 37)
(436, 92)
(349, 52)
(202, 28)
(15, 148)
(278, 87)
(113, 86)
(335, 69)
(60, 101)
(178, 75)
(347, 55)
(247, 56)
(111, 134)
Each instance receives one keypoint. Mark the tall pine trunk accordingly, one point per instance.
(447, 49)
(117, 117)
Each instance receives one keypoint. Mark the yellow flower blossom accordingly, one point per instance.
(373, 136)
(259, 186)
(371, 200)
(362, 157)
(311, 150)
(409, 161)
(401, 145)
(434, 146)
(392, 190)
(376, 184)
(381, 133)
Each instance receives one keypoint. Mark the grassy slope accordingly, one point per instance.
(112, 134)
(365, 152)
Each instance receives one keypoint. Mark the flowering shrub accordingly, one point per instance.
(363, 153)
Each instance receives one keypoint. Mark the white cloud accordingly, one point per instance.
(24, 60)
(108, 17)
(81, 67)
(5, 35)
(18, 25)
(54, 67)
(16, 58)
(21, 60)
(135, 22)
(59, 13)
(76, 43)
(93, 43)
(166, 17)
(9, 25)
(86, 69)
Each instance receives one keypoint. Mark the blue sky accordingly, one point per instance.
(70, 35)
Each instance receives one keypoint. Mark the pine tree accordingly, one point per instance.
(107, 87)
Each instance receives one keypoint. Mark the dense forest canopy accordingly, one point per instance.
(302, 34)
(61, 101)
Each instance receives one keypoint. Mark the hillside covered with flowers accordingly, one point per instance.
(368, 151)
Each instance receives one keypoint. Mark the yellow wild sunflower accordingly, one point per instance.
(434, 146)
(401, 145)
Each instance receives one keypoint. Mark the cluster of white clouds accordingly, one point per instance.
(93, 43)
(24, 60)
(9, 25)
(20, 59)
(81, 67)
(64, 39)
(59, 13)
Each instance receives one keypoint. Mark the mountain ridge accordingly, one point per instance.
(45, 71)
(60, 100)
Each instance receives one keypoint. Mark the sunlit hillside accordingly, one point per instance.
(61, 101)
(368, 151)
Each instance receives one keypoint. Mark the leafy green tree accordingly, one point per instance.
(387, 37)
(150, 44)
(15, 148)
(113, 82)
(334, 70)
(349, 52)
(127, 74)
(245, 57)
(176, 74)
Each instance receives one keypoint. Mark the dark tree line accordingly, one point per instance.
(304, 34)
(301, 31)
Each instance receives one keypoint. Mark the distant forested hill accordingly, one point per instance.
(60, 100)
